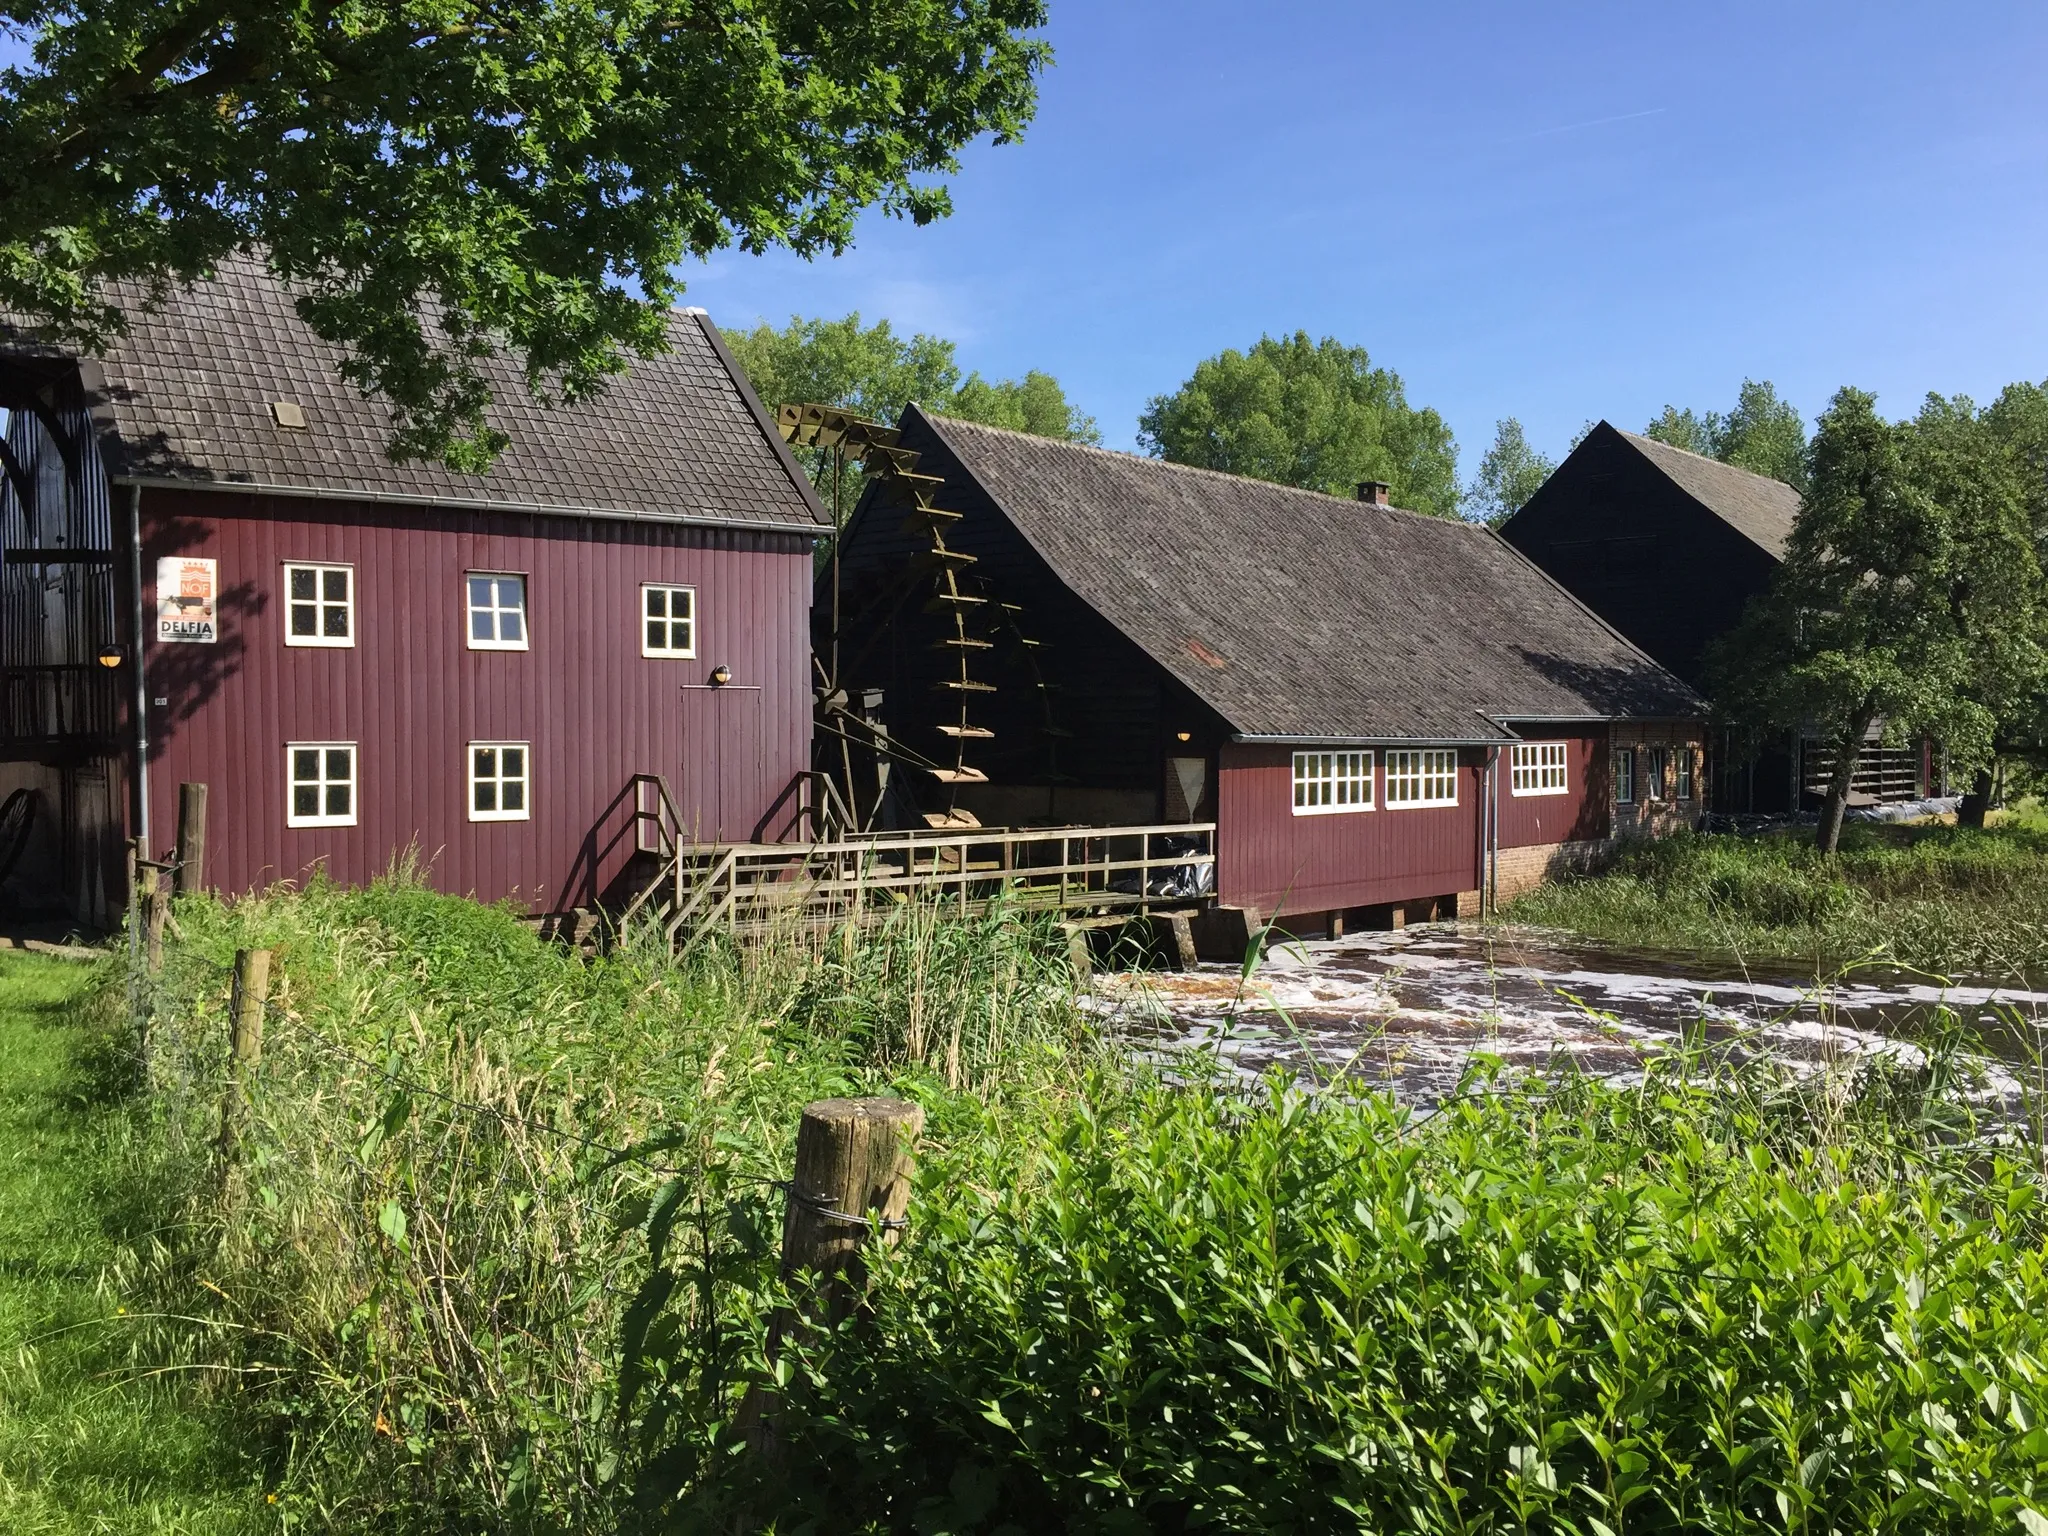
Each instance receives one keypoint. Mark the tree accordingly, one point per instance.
(1762, 434)
(446, 183)
(1509, 474)
(1682, 429)
(1905, 568)
(1307, 413)
(873, 372)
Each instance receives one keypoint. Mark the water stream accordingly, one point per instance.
(1409, 1010)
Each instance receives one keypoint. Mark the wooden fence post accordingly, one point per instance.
(251, 995)
(854, 1159)
(155, 896)
(191, 874)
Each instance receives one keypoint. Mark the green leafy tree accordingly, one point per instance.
(1315, 414)
(1762, 434)
(448, 183)
(874, 372)
(1908, 572)
(1509, 474)
(1682, 429)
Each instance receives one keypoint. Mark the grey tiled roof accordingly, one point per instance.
(1297, 615)
(189, 392)
(1756, 506)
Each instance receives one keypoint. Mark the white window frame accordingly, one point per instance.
(1683, 771)
(320, 604)
(470, 610)
(668, 622)
(1624, 775)
(524, 780)
(1332, 783)
(1424, 769)
(1653, 784)
(323, 818)
(1539, 768)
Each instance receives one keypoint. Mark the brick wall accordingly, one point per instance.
(1653, 818)
(1523, 869)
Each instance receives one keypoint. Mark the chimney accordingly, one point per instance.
(1374, 492)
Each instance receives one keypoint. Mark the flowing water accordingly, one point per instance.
(1409, 1010)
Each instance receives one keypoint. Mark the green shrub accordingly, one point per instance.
(1947, 900)
(415, 1277)
(1713, 1306)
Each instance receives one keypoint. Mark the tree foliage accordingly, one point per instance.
(1510, 473)
(450, 182)
(1315, 414)
(1908, 596)
(873, 372)
(1763, 434)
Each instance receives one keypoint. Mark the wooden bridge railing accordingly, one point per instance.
(1067, 869)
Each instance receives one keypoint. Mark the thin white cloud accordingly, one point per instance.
(1595, 122)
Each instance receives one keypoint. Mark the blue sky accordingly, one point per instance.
(1558, 212)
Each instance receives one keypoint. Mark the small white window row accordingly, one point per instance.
(320, 610)
(1327, 783)
(321, 788)
(1538, 768)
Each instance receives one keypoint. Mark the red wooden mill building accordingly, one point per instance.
(360, 657)
(1384, 714)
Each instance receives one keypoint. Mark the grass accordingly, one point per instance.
(87, 1443)
(1953, 901)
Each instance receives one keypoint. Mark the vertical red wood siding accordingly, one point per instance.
(1269, 858)
(413, 696)
(1580, 814)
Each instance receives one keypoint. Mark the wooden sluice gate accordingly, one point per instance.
(1089, 876)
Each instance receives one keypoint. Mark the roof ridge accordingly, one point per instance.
(1191, 469)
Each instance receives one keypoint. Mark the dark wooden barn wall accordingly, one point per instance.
(1122, 710)
(1582, 813)
(413, 696)
(1619, 536)
(1269, 858)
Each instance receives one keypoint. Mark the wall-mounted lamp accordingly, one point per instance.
(1183, 735)
(720, 675)
(111, 656)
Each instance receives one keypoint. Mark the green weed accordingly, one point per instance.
(1948, 900)
(92, 1436)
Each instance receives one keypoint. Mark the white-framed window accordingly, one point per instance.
(1655, 774)
(1421, 778)
(319, 604)
(497, 611)
(1682, 761)
(668, 621)
(1537, 768)
(1624, 775)
(1327, 782)
(320, 784)
(500, 781)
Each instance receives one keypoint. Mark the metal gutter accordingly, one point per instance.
(141, 682)
(467, 504)
(1245, 739)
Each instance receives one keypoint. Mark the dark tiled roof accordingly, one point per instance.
(189, 391)
(1297, 615)
(1755, 506)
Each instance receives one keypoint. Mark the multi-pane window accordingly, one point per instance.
(668, 621)
(319, 605)
(497, 611)
(1332, 781)
(1537, 768)
(498, 781)
(1655, 773)
(1624, 775)
(1421, 778)
(1681, 761)
(320, 784)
